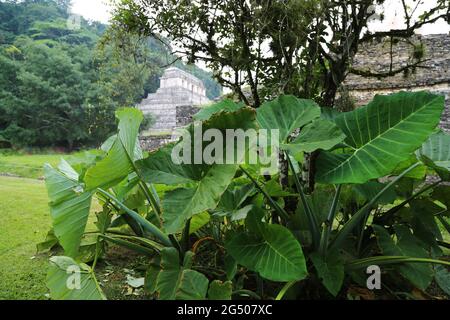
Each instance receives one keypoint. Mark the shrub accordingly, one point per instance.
(218, 231)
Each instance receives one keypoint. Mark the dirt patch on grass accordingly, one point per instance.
(117, 270)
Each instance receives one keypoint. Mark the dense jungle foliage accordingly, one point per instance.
(60, 82)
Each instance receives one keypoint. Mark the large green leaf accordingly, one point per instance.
(422, 218)
(320, 134)
(170, 280)
(181, 204)
(159, 168)
(69, 208)
(199, 221)
(48, 244)
(219, 290)
(435, 153)
(286, 114)
(192, 286)
(269, 249)
(330, 270)
(118, 162)
(424, 212)
(68, 280)
(442, 277)
(207, 181)
(230, 204)
(380, 136)
(207, 112)
(407, 245)
(81, 162)
(369, 190)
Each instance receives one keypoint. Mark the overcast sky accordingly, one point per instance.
(92, 9)
(99, 10)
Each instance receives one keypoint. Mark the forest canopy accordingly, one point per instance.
(62, 80)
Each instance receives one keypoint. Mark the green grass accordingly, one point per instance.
(27, 166)
(25, 221)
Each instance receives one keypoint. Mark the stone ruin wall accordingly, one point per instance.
(376, 57)
(183, 115)
(150, 143)
(177, 88)
(172, 106)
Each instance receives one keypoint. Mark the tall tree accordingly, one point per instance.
(303, 47)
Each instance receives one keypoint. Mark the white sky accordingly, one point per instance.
(99, 10)
(395, 16)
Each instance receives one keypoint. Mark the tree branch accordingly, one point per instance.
(390, 73)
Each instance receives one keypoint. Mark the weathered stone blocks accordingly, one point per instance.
(172, 106)
(434, 75)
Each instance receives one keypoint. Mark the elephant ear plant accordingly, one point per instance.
(220, 230)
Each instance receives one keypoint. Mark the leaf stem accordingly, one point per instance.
(285, 289)
(394, 210)
(329, 223)
(357, 217)
(94, 264)
(313, 224)
(130, 245)
(148, 194)
(384, 260)
(272, 202)
(147, 225)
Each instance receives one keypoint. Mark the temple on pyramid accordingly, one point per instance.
(178, 90)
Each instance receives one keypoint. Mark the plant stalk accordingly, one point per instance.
(329, 223)
(148, 194)
(386, 260)
(314, 225)
(394, 210)
(272, 202)
(284, 290)
(357, 217)
(147, 225)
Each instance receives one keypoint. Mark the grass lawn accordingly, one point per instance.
(25, 221)
(28, 166)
